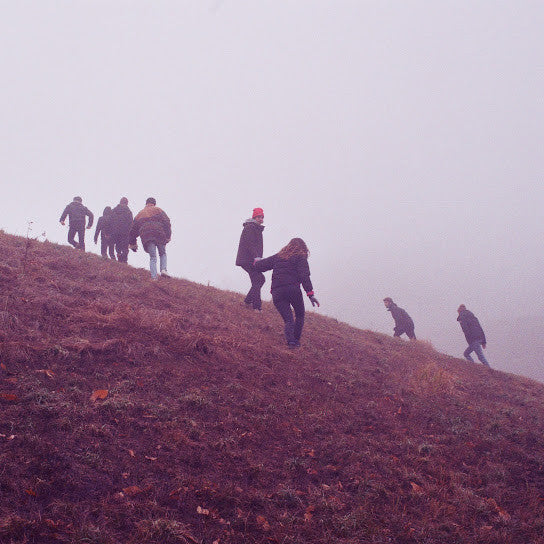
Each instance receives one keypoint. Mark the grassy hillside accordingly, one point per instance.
(165, 412)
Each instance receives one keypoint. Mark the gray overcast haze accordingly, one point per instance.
(403, 140)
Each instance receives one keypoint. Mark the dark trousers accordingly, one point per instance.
(121, 246)
(410, 333)
(284, 298)
(257, 281)
(80, 230)
(106, 246)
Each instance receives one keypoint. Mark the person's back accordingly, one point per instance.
(474, 334)
(103, 228)
(77, 214)
(121, 223)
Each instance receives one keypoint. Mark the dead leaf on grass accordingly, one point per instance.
(416, 488)
(262, 523)
(48, 373)
(8, 396)
(99, 394)
(3, 366)
(131, 453)
(30, 492)
(132, 490)
(202, 511)
(151, 458)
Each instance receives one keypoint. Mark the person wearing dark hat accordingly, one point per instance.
(403, 322)
(152, 225)
(290, 270)
(250, 247)
(121, 223)
(77, 214)
(103, 228)
(474, 334)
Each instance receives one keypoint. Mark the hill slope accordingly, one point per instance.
(211, 431)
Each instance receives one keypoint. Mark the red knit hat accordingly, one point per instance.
(257, 212)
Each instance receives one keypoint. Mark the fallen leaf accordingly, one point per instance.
(30, 492)
(8, 396)
(151, 458)
(262, 523)
(48, 373)
(131, 453)
(99, 394)
(416, 488)
(132, 490)
(3, 366)
(202, 511)
(308, 517)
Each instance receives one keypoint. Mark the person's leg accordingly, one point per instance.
(103, 247)
(111, 249)
(71, 236)
(297, 301)
(163, 260)
(398, 333)
(411, 334)
(281, 302)
(151, 248)
(480, 353)
(81, 237)
(257, 281)
(467, 353)
(121, 246)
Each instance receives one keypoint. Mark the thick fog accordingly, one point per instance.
(402, 140)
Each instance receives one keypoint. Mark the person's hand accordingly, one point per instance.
(88, 227)
(314, 301)
(484, 345)
(167, 240)
(62, 223)
(134, 247)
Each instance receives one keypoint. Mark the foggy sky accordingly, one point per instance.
(401, 140)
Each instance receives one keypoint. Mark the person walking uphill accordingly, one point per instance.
(121, 223)
(77, 214)
(249, 248)
(403, 322)
(474, 334)
(290, 269)
(152, 225)
(103, 227)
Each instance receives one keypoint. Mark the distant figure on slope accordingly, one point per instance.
(403, 322)
(249, 248)
(121, 223)
(103, 228)
(290, 269)
(152, 225)
(77, 214)
(473, 333)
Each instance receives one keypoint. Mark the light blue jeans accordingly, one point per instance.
(475, 347)
(152, 250)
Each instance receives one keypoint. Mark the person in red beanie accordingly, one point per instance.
(250, 247)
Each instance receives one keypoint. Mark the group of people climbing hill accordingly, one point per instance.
(290, 270)
(119, 231)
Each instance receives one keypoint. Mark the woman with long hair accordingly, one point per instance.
(290, 269)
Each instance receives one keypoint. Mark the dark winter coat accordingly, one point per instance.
(251, 243)
(471, 327)
(287, 272)
(77, 213)
(151, 225)
(403, 322)
(103, 225)
(121, 221)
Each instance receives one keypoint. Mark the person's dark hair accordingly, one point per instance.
(297, 246)
(388, 299)
(151, 200)
(124, 201)
(78, 199)
(107, 210)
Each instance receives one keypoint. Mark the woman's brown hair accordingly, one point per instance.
(296, 246)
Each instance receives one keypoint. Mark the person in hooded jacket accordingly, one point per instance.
(103, 228)
(403, 322)
(152, 225)
(121, 223)
(290, 269)
(474, 334)
(249, 248)
(77, 214)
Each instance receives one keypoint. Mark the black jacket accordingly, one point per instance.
(121, 221)
(103, 225)
(471, 327)
(287, 272)
(403, 322)
(251, 243)
(77, 213)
